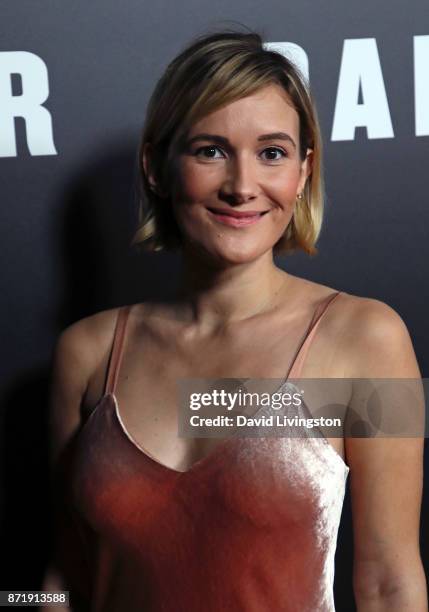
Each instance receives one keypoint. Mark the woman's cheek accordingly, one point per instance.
(199, 181)
(189, 217)
(285, 186)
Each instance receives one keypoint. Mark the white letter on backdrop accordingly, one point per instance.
(360, 69)
(421, 84)
(35, 91)
(292, 52)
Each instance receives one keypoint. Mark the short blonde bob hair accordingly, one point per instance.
(214, 70)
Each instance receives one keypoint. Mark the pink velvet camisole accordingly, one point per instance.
(251, 527)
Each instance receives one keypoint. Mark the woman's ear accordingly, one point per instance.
(147, 165)
(147, 161)
(306, 169)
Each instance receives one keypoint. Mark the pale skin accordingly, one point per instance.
(238, 315)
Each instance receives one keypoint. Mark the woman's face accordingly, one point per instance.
(243, 158)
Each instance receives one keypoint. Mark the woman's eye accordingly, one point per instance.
(273, 151)
(207, 151)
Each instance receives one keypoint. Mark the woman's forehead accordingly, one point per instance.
(258, 113)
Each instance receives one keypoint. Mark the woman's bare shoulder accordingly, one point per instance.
(367, 318)
(76, 354)
(90, 335)
(365, 330)
(355, 310)
(80, 351)
(373, 337)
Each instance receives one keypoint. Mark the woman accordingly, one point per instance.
(231, 169)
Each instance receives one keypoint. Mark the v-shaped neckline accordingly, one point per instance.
(147, 456)
(197, 463)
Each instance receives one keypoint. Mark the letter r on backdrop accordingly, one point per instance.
(28, 104)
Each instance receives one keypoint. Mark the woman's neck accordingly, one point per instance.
(211, 297)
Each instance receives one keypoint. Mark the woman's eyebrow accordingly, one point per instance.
(224, 141)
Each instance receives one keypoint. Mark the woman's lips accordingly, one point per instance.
(241, 221)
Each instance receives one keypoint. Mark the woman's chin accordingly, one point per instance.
(229, 252)
(236, 255)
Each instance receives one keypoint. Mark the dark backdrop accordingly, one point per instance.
(75, 78)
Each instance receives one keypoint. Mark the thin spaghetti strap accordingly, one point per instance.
(298, 362)
(117, 349)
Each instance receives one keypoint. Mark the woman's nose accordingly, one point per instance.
(240, 183)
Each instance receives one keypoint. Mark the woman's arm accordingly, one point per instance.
(386, 475)
(53, 581)
(70, 366)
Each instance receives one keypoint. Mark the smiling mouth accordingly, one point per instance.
(237, 218)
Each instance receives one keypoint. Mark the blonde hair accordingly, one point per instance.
(212, 71)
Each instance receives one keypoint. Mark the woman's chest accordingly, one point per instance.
(272, 483)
